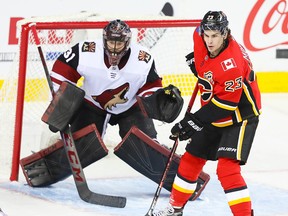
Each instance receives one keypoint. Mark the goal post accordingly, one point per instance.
(25, 93)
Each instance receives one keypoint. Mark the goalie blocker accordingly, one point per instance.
(149, 158)
(64, 105)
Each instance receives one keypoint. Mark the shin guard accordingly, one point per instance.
(51, 165)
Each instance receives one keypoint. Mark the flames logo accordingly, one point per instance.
(111, 97)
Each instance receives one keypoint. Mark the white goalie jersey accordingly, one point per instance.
(111, 88)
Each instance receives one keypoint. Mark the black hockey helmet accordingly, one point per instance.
(116, 30)
(215, 20)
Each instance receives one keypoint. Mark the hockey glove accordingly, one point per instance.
(65, 104)
(186, 127)
(164, 105)
(191, 63)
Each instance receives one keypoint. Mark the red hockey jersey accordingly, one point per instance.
(227, 83)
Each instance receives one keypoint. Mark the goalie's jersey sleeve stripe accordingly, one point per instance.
(56, 83)
(71, 57)
(184, 186)
(148, 91)
(153, 82)
(64, 68)
(66, 71)
(57, 80)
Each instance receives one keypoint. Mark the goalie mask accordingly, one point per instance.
(116, 40)
(215, 20)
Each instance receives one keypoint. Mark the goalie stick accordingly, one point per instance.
(168, 164)
(78, 174)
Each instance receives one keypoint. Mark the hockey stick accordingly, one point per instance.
(168, 164)
(149, 37)
(78, 174)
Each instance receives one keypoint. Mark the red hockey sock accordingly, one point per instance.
(185, 181)
(242, 209)
(229, 174)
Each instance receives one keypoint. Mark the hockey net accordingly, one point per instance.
(25, 93)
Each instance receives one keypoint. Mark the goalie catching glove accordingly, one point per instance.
(164, 105)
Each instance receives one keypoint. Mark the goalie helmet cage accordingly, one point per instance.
(169, 40)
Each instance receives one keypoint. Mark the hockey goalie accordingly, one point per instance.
(121, 87)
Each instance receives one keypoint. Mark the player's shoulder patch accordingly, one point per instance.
(88, 47)
(144, 56)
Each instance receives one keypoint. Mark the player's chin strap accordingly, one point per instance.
(79, 177)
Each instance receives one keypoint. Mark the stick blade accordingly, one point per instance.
(167, 10)
(100, 199)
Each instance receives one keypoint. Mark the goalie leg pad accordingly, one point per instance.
(51, 165)
(64, 105)
(150, 158)
(147, 157)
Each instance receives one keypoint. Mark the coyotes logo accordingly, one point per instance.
(111, 97)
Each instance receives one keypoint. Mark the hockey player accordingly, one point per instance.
(223, 128)
(118, 76)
